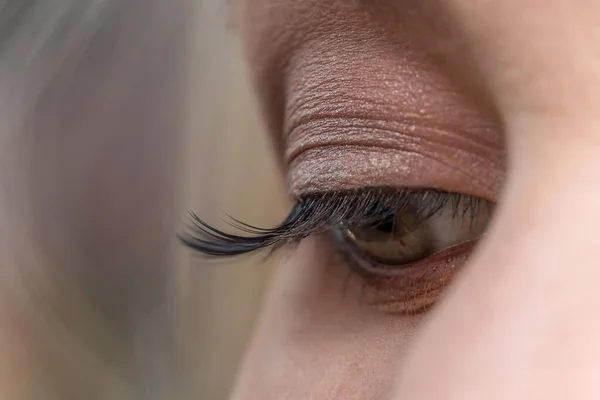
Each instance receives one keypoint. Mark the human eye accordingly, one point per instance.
(395, 230)
(404, 244)
(393, 160)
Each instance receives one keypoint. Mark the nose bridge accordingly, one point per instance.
(521, 322)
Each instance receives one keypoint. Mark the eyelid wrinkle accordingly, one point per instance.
(350, 167)
(367, 130)
(334, 157)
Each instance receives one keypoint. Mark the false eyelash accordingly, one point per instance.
(319, 212)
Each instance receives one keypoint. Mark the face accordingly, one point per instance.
(445, 159)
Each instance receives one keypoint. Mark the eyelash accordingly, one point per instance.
(318, 213)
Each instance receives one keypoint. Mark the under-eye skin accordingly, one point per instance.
(404, 244)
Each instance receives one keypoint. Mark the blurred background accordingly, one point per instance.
(99, 300)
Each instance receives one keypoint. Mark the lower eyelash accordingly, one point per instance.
(320, 212)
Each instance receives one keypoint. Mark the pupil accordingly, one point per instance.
(387, 225)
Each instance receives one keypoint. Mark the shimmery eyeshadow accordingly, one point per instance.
(379, 118)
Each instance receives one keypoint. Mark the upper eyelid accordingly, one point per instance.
(314, 171)
(392, 131)
(309, 82)
(337, 125)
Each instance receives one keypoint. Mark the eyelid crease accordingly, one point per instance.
(319, 212)
(359, 130)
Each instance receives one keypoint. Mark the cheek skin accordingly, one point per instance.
(521, 322)
(316, 340)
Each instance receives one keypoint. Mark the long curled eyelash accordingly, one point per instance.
(319, 212)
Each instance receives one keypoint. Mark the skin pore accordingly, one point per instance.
(495, 99)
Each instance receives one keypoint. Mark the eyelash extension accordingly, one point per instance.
(319, 212)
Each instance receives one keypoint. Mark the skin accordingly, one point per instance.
(510, 90)
(509, 96)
